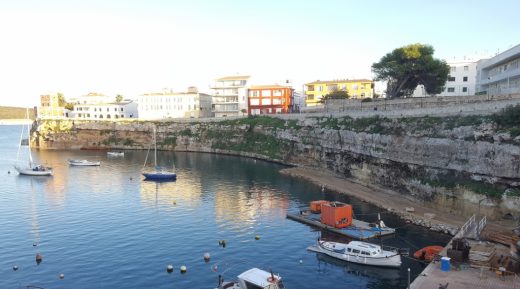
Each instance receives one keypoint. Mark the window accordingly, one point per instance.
(464, 89)
(365, 253)
(320, 88)
(453, 68)
(355, 251)
(354, 86)
(466, 68)
(332, 87)
(266, 92)
(277, 92)
(451, 89)
(310, 88)
(253, 93)
(310, 97)
(451, 78)
(465, 78)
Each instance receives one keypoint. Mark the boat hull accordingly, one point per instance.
(32, 172)
(83, 163)
(160, 176)
(393, 261)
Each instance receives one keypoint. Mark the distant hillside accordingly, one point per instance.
(8, 112)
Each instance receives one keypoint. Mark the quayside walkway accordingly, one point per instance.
(466, 275)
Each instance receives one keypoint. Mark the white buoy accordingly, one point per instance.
(169, 268)
(257, 237)
(15, 268)
(206, 257)
(301, 261)
(62, 276)
(183, 269)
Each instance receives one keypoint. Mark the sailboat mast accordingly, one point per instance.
(29, 138)
(155, 147)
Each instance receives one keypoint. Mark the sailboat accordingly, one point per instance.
(32, 169)
(159, 173)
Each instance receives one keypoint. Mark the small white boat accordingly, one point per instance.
(83, 163)
(360, 253)
(116, 154)
(253, 279)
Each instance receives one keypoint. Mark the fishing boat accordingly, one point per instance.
(252, 279)
(31, 168)
(360, 253)
(427, 253)
(83, 163)
(158, 173)
(115, 154)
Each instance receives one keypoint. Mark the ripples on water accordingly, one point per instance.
(104, 227)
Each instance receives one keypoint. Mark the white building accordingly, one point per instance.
(124, 109)
(230, 95)
(92, 98)
(461, 80)
(169, 104)
(500, 75)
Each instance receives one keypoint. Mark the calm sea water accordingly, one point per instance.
(104, 227)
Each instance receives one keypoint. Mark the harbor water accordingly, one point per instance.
(105, 227)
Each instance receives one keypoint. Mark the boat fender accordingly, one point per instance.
(272, 279)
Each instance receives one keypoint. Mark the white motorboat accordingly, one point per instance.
(253, 279)
(83, 163)
(360, 253)
(116, 154)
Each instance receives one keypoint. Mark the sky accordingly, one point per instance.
(131, 47)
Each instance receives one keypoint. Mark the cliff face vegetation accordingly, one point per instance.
(449, 163)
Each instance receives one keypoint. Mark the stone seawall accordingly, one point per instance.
(449, 166)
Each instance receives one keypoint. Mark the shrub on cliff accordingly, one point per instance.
(509, 117)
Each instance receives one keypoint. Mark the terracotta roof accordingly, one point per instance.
(235, 77)
(339, 81)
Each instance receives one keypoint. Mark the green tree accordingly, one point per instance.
(338, 94)
(409, 66)
(61, 99)
(119, 98)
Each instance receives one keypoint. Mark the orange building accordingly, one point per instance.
(269, 99)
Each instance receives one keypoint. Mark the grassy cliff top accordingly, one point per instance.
(9, 112)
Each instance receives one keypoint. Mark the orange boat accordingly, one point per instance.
(428, 253)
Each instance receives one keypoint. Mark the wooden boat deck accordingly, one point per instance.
(360, 230)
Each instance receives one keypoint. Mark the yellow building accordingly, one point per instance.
(356, 88)
(50, 106)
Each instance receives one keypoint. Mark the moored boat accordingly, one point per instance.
(158, 173)
(38, 170)
(253, 279)
(116, 154)
(427, 253)
(83, 163)
(360, 253)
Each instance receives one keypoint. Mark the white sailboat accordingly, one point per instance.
(31, 168)
(159, 173)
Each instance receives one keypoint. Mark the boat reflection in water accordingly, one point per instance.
(389, 275)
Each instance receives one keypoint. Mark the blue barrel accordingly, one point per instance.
(445, 264)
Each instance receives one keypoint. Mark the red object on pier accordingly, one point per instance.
(316, 206)
(336, 214)
(427, 253)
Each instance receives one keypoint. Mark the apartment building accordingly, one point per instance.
(124, 109)
(269, 99)
(500, 75)
(169, 104)
(356, 88)
(230, 95)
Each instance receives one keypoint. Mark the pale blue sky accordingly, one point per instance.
(132, 47)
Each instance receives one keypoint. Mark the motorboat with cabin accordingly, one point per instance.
(116, 154)
(360, 252)
(253, 279)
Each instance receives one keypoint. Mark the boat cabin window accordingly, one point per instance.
(349, 250)
(355, 251)
(365, 253)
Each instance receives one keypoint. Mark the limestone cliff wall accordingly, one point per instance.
(448, 166)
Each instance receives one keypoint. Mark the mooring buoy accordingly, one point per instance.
(62, 276)
(15, 268)
(169, 268)
(257, 237)
(183, 269)
(39, 258)
(206, 257)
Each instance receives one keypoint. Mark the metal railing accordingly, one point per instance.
(465, 228)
